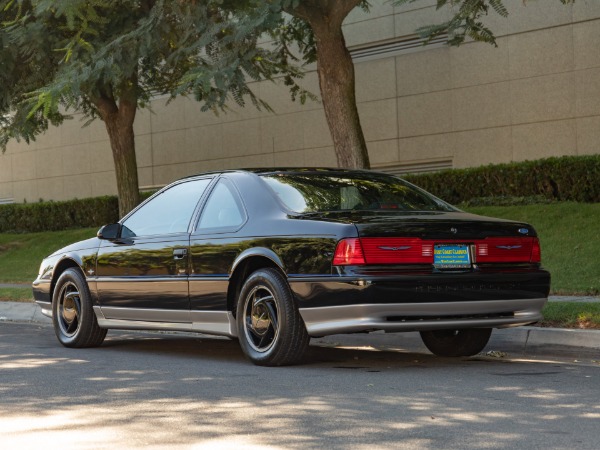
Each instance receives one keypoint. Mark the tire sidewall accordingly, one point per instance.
(467, 342)
(75, 277)
(283, 300)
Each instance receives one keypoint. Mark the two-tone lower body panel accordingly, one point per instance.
(419, 302)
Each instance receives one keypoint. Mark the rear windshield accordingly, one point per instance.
(308, 192)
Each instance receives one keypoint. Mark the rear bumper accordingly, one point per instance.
(419, 302)
(421, 316)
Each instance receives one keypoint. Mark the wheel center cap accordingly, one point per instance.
(260, 319)
(69, 311)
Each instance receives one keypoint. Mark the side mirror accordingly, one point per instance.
(109, 232)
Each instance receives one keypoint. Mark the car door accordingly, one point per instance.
(214, 246)
(144, 274)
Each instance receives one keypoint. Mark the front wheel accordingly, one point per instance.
(270, 328)
(464, 342)
(75, 323)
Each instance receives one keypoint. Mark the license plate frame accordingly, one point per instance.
(451, 256)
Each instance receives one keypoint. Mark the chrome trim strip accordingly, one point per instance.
(46, 308)
(428, 316)
(136, 279)
(221, 323)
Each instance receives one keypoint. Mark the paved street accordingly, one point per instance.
(152, 391)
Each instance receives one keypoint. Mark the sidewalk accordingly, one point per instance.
(524, 339)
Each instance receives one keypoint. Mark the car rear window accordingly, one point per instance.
(306, 192)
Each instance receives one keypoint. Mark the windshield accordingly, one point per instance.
(307, 192)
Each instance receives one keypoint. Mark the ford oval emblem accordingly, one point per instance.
(523, 230)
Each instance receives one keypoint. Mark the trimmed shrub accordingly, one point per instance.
(55, 216)
(567, 178)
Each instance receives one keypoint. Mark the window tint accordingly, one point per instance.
(169, 212)
(308, 192)
(223, 208)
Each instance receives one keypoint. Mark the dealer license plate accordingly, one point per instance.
(451, 256)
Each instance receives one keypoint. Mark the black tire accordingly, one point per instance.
(270, 329)
(73, 316)
(465, 342)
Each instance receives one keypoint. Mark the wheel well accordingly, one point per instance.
(241, 272)
(63, 265)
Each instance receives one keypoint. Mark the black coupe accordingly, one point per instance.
(274, 257)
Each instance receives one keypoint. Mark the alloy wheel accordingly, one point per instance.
(261, 319)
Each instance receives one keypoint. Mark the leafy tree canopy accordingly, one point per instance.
(68, 56)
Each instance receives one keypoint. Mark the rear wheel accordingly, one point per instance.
(75, 323)
(270, 328)
(464, 342)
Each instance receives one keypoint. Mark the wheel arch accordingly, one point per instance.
(65, 263)
(246, 263)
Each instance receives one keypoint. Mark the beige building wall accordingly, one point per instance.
(536, 95)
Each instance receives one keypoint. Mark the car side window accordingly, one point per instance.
(223, 210)
(167, 213)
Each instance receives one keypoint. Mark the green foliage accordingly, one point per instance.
(82, 55)
(21, 254)
(571, 315)
(23, 295)
(52, 216)
(568, 178)
(503, 200)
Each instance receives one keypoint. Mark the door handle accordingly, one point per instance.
(179, 253)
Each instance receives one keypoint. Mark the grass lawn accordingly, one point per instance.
(16, 295)
(570, 238)
(22, 254)
(571, 315)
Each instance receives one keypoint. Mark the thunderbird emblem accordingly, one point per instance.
(508, 247)
(404, 247)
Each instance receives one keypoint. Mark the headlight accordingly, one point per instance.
(41, 268)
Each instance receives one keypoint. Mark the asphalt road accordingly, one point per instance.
(175, 391)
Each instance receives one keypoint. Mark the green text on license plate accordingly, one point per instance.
(451, 256)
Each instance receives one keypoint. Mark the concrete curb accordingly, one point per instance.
(22, 312)
(523, 339)
(519, 340)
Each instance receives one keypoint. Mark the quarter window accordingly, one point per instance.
(169, 212)
(223, 209)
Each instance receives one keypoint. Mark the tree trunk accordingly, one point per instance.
(119, 125)
(336, 78)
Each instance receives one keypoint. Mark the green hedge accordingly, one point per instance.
(568, 178)
(55, 216)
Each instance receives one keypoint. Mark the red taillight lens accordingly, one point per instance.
(504, 250)
(397, 251)
(348, 253)
(536, 251)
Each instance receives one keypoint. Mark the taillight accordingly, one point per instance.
(505, 250)
(397, 251)
(348, 253)
(536, 251)
(368, 250)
